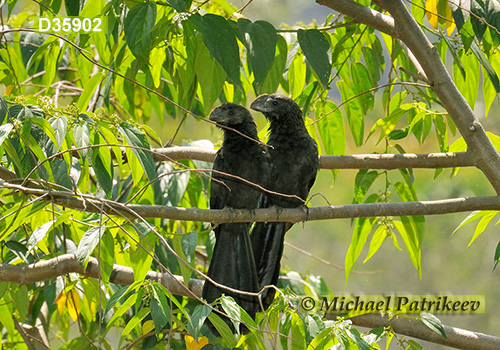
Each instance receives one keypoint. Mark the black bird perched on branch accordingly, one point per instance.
(294, 158)
(232, 261)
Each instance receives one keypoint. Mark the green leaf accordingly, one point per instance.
(433, 323)
(409, 237)
(297, 333)
(140, 257)
(89, 90)
(46, 127)
(52, 57)
(72, 7)
(331, 128)
(88, 242)
(469, 85)
(138, 27)
(362, 229)
(197, 319)
(354, 111)
(223, 330)
(358, 340)
(460, 11)
(122, 309)
(376, 242)
(39, 233)
(135, 137)
(180, 5)
(210, 75)
(21, 300)
(362, 183)
(232, 309)
(317, 50)
(296, 72)
(488, 68)
(6, 319)
(474, 216)
(414, 345)
(60, 126)
(483, 223)
(496, 259)
(113, 299)
(5, 131)
(107, 255)
(362, 83)
(82, 137)
(161, 317)
(260, 40)
(134, 321)
(275, 74)
(478, 18)
(102, 173)
(221, 42)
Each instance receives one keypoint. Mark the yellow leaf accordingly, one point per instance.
(450, 22)
(61, 302)
(73, 304)
(431, 12)
(191, 344)
(148, 326)
(8, 90)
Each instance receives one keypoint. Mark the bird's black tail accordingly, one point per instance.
(233, 265)
(267, 244)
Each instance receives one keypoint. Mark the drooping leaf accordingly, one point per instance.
(220, 39)
(197, 319)
(180, 5)
(260, 40)
(354, 111)
(461, 11)
(362, 229)
(138, 26)
(488, 68)
(331, 128)
(210, 74)
(433, 323)
(317, 50)
(140, 148)
(5, 131)
(275, 74)
(39, 233)
(88, 242)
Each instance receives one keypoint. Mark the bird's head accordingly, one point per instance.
(276, 106)
(231, 115)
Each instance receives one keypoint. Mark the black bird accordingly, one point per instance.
(232, 261)
(294, 158)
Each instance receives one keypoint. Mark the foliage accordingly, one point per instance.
(77, 116)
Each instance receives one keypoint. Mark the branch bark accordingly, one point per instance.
(413, 327)
(357, 161)
(64, 264)
(217, 216)
(405, 28)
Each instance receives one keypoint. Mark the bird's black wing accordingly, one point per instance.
(232, 262)
(294, 158)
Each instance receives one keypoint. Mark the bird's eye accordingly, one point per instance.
(231, 113)
(275, 102)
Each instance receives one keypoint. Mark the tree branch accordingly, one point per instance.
(357, 161)
(94, 205)
(64, 264)
(362, 14)
(404, 27)
(413, 327)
